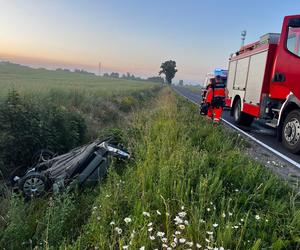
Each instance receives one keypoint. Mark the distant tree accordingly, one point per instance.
(114, 75)
(155, 79)
(106, 75)
(180, 83)
(168, 68)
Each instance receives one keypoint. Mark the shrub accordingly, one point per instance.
(27, 126)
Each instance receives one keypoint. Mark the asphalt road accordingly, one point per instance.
(258, 131)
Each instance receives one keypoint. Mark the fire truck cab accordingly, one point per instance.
(264, 83)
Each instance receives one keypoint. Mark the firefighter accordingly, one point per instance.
(215, 99)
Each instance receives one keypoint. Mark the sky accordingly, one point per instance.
(135, 35)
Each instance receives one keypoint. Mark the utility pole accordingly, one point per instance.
(99, 68)
(243, 34)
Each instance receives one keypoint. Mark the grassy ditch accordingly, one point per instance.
(190, 187)
(28, 124)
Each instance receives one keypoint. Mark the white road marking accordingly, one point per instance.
(274, 151)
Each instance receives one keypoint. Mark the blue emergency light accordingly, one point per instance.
(221, 72)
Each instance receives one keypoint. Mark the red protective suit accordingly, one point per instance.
(215, 99)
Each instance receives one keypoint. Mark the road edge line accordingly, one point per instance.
(289, 160)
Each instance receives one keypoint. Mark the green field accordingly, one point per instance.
(42, 82)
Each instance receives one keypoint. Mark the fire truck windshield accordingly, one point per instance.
(293, 40)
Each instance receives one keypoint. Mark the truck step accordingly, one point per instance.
(275, 110)
(272, 123)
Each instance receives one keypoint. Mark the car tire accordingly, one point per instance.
(291, 132)
(240, 118)
(33, 184)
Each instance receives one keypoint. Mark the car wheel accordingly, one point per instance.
(34, 184)
(241, 118)
(291, 132)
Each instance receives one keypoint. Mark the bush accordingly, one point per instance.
(27, 126)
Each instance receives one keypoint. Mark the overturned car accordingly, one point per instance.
(81, 166)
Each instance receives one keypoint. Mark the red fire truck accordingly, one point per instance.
(264, 83)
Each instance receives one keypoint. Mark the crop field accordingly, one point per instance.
(64, 87)
(188, 186)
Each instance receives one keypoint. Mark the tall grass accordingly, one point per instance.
(190, 187)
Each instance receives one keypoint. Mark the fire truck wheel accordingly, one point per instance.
(241, 118)
(291, 132)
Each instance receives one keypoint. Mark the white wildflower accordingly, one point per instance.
(230, 214)
(167, 214)
(215, 225)
(151, 237)
(127, 220)
(177, 232)
(94, 208)
(157, 211)
(182, 240)
(267, 220)
(98, 217)
(150, 229)
(242, 220)
(182, 207)
(178, 220)
(189, 243)
(125, 247)
(112, 223)
(208, 209)
(182, 227)
(198, 245)
(210, 233)
(146, 214)
(236, 227)
(236, 190)
(132, 234)
(223, 215)
(173, 244)
(118, 230)
(257, 217)
(164, 240)
(182, 214)
(160, 234)
(186, 222)
(142, 248)
(221, 248)
(164, 246)
(150, 224)
(207, 240)
(202, 221)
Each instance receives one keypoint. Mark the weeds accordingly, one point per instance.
(188, 187)
(191, 188)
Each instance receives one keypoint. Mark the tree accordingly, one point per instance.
(168, 68)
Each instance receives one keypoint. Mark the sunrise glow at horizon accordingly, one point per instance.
(134, 36)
